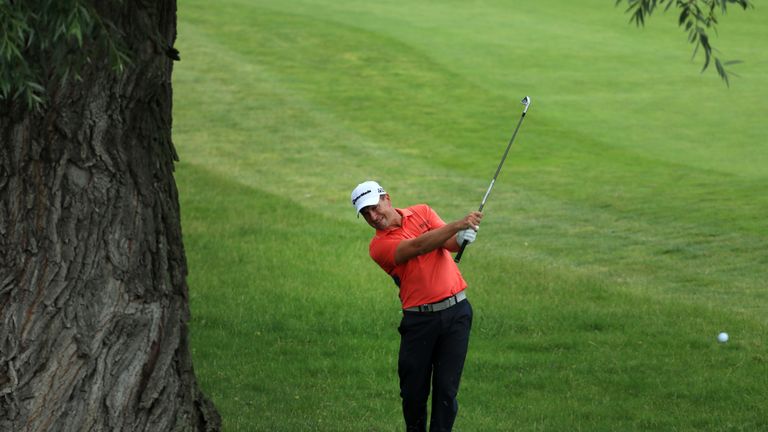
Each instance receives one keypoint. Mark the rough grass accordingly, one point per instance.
(626, 230)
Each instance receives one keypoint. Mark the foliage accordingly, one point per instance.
(43, 41)
(697, 17)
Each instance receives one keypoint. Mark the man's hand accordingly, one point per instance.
(472, 220)
(468, 227)
(468, 235)
(444, 236)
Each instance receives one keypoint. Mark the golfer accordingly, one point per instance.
(413, 245)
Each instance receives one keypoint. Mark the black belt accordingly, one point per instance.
(441, 305)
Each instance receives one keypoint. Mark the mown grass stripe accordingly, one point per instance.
(626, 229)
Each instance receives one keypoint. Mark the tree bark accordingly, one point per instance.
(93, 293)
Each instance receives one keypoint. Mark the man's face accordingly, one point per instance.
(380, 216)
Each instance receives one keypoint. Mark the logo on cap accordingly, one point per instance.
(354, 201)
(365, 194)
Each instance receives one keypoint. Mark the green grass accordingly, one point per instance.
(626, 230)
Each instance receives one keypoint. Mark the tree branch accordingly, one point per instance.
(697, 17)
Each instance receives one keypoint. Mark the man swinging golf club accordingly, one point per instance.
(413, 245)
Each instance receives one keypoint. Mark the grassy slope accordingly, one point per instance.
(285, 340)
(627, 228)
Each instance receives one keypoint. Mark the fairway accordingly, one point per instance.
(626, 230)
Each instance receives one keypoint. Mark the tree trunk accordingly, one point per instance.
(93, 293)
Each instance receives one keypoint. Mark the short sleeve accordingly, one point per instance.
(382, 251)
(433, 219)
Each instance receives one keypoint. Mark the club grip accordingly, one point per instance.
(457, 258)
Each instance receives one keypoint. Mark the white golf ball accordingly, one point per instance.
(722, 337)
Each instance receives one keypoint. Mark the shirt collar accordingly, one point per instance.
(404, 213)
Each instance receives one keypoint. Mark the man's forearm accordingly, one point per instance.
(426, 242)
(452, 244)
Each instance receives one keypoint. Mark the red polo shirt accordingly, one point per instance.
(424, 279)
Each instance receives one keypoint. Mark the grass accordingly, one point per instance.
(626, 230)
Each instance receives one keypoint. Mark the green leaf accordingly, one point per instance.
(39, 38)
(76, 31)
(35, 86)
(721, 71)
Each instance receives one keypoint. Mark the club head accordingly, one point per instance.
(526, 101)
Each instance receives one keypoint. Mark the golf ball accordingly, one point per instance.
(722, 337)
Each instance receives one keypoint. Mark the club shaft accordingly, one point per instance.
(457, 259)
(503, 158)
(485, 197)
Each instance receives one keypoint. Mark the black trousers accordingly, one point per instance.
(433, 346)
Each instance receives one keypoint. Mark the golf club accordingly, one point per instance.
(526, 103)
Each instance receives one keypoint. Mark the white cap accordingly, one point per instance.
(365, 194)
